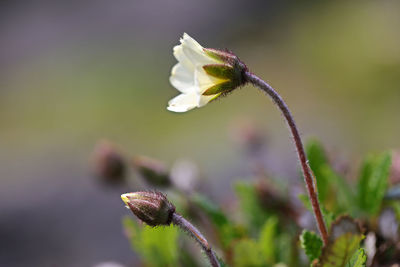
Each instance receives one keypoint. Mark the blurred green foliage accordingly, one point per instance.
(373, 182)
(157, 246)
(359, 259)
(259, 234)
(253, 212)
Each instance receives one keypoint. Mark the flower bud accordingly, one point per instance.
(153, 208)
(152, 171)
(109, 164)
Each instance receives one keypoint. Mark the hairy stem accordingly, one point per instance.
(307, 172)
(185, 225)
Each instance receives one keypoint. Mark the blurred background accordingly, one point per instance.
(75, 72)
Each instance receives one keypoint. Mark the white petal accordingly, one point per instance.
(204, 99)
(191, 43)
(182, 78)
(183, 102)
(182, 58)
(194, 51)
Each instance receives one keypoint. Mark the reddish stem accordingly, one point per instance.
(307, 172)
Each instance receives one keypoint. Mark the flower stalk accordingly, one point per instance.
(203, 74)
(185, 225)
(305, 167)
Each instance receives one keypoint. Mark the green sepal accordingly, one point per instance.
(220, 71)
(219, 88)
(220, 55)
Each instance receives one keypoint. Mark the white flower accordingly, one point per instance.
(201, 74)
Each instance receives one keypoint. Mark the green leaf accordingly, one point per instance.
(250, 205)
(344, 197)
(317, 160)
(312, 244)
(157, 246)
(359, 259)
(340, 251)
(373, 182)
(333, 190)
(268, 236)
(344, 240)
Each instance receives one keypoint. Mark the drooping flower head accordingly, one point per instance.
(202, 74)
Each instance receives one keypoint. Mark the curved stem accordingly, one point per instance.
(307, 172)
(185, 225)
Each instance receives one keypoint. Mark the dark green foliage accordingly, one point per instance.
(312, 244)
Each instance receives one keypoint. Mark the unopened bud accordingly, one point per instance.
(109, 164)
(153, 171)
(153, 208)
